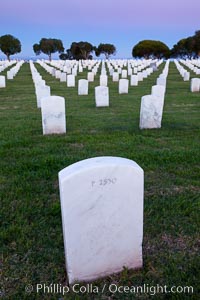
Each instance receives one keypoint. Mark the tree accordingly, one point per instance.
(196, 41)
(67, 55)
(9, 45)
(81, 50)
(48, 46)
(106, 49)
(184, 48)
(150, 48)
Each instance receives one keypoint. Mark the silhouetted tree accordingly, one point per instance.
(106, 49)
(48, 46)
(150, 48)
(81, 50)
(196, 41)
(9, 45)
(184, 48)
(67, 55)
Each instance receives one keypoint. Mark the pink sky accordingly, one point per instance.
(123, 23)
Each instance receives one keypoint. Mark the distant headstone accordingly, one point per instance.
(123, 86)
(115, 76)
(140, 76)
(70, 80)
(90, 76)
(101, 96)
(41, 92)
(103, 80)
(186, 76)
(83, 87)
(102, 217)
(63, 77)
(154, 66)
(53, 115)
(161, 81)
(195, 85)
(58, 74)
(10, 75)
(158, 91)
(134, 80)
(2, 81)
(124, 74)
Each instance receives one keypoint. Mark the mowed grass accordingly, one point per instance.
(31, 229)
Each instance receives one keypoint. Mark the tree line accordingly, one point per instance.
(185, 48)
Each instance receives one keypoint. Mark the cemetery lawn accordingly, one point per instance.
(32, 250)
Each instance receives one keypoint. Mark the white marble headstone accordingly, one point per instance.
(134, 80)
(159, 91)
(102, 216)
(53, 115)
(186, 76)
(124, 74)
(123, 86)
(2, 81)
(103, 80)
(63, 77)
(90, 76)
(195, 85)
(70, 80)
(151, 112)
(101, 96)
(161, 81)
(10, 75)
(83, 87)
(41, 92)
(115, 76)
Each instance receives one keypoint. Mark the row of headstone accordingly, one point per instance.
(6, 64)
(52, 107)
(162, 78)
(13, 71)
(41, 89)
(193, 65)
(123, 85)
(115, 69)
(102, 217)
(102, 91)
(151, 109)
(183, 72)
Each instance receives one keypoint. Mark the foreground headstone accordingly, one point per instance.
(2, 81)
(151, 112)
(101, 96)
(53, 115)
(102, 216)
(83, 87)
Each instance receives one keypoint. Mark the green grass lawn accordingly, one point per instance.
(31, 229)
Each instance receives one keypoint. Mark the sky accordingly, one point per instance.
(120, 22)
